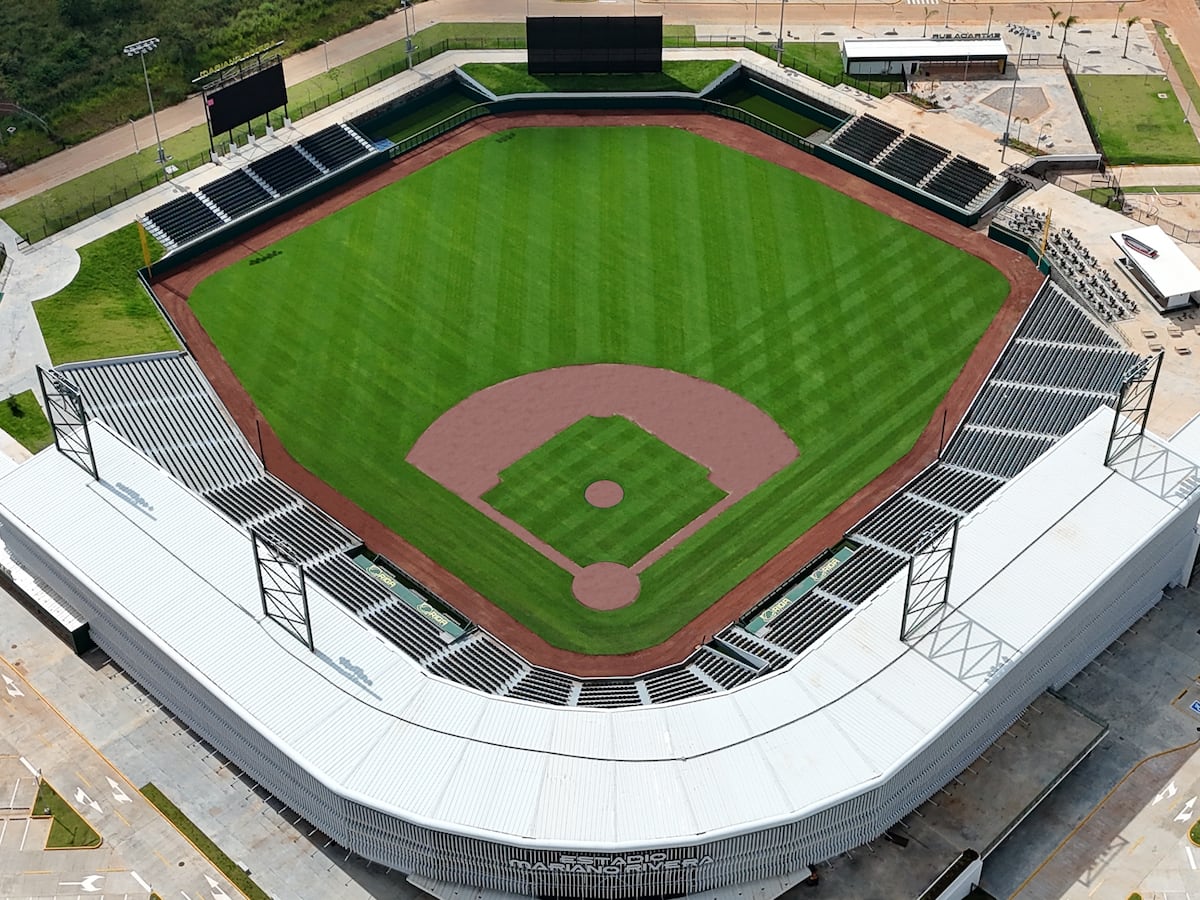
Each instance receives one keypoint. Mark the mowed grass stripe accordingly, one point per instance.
(551, 247)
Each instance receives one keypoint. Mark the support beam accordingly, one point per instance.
(1133, 409)
(68, 419)
(927, 591)
(282, 585)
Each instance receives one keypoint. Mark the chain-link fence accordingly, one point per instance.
(55, 216)
(1105, 190)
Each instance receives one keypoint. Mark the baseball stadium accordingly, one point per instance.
(608, 497)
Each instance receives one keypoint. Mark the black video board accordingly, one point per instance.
(246, 99)
(584, 44)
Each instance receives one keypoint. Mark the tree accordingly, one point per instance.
(1067, 23)
(1117, 20)
(1054, 17)
(1129, 23)
(929, 13)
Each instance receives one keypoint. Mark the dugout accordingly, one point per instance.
(911, 56)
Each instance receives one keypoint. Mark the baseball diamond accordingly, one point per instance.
(732, 700)
(646, 247)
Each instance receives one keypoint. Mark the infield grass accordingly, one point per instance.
(538, 248)
(545, 491)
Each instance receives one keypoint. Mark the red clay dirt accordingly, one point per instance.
(1023, 277)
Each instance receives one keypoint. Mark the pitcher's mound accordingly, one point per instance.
(604, 494)
(606, 585)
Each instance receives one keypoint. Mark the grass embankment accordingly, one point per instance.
(690, 75)
(646, 246)
(1182, 67)
(22, 417)
(204, 844)
(1135, 124)
(69, 829)
(104, 311)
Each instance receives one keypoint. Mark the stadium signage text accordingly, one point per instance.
(807, 584)
(612, 865)
(422, 607)
(233, 61)
(966, 37)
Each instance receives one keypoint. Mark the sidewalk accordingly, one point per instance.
(712, 19)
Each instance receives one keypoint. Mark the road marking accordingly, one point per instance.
(217, 893)
(12, 801)
(25, 835)
(119, 795)
(88, 884)
(1137, 843)
(1169, 791)
(27, 764)
(138, 879)
(1191, 858)
(82, 797)
(79, 775)
(1186, 812)
(117, 813)
(1096, 888)
(11, 687)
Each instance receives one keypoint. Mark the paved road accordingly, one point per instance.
(140, 850)
(737, 17)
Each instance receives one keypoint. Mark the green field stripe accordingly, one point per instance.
(549, 247)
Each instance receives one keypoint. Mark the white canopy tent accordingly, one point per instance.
(1155, 261)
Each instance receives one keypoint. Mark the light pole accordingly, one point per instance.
(325, 46)
(408, 44)
(140, 49)
(1013, 97)
(779, 45)
(133, 128)
(946, 24)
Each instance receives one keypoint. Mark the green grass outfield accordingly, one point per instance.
(539, 248)
(1135, 125)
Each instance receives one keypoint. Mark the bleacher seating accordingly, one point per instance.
(723, 669)
(608, 693)
(285, 170)
(182, 219)
(334, 147)
(544, 686)
(236, 193)
(674, 683)
(478, 661)
(912, 159)
(960, 181)
(1055, 371)
(864, 137)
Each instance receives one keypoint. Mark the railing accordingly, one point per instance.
(439, 128)
(1130, 205)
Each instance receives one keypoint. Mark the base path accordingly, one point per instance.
(1023, 277)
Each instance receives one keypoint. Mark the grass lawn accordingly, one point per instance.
(22, 417)
(548, 247)
(663, 491)
(1135, 125)
(768, 110)
(1182, 67)
(204, 844)
(692, 75)
(69, 829)
(104, 311)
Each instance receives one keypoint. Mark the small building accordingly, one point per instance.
(912, 56)
(1160, 268)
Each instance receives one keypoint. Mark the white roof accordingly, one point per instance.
(923, 48)
(1171, 272)
(854, 709)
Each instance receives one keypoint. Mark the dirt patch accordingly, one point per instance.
(604, 494)
(606, 585)
(174, 289)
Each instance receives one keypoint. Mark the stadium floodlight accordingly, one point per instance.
(1012, 97)
(140, 49)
